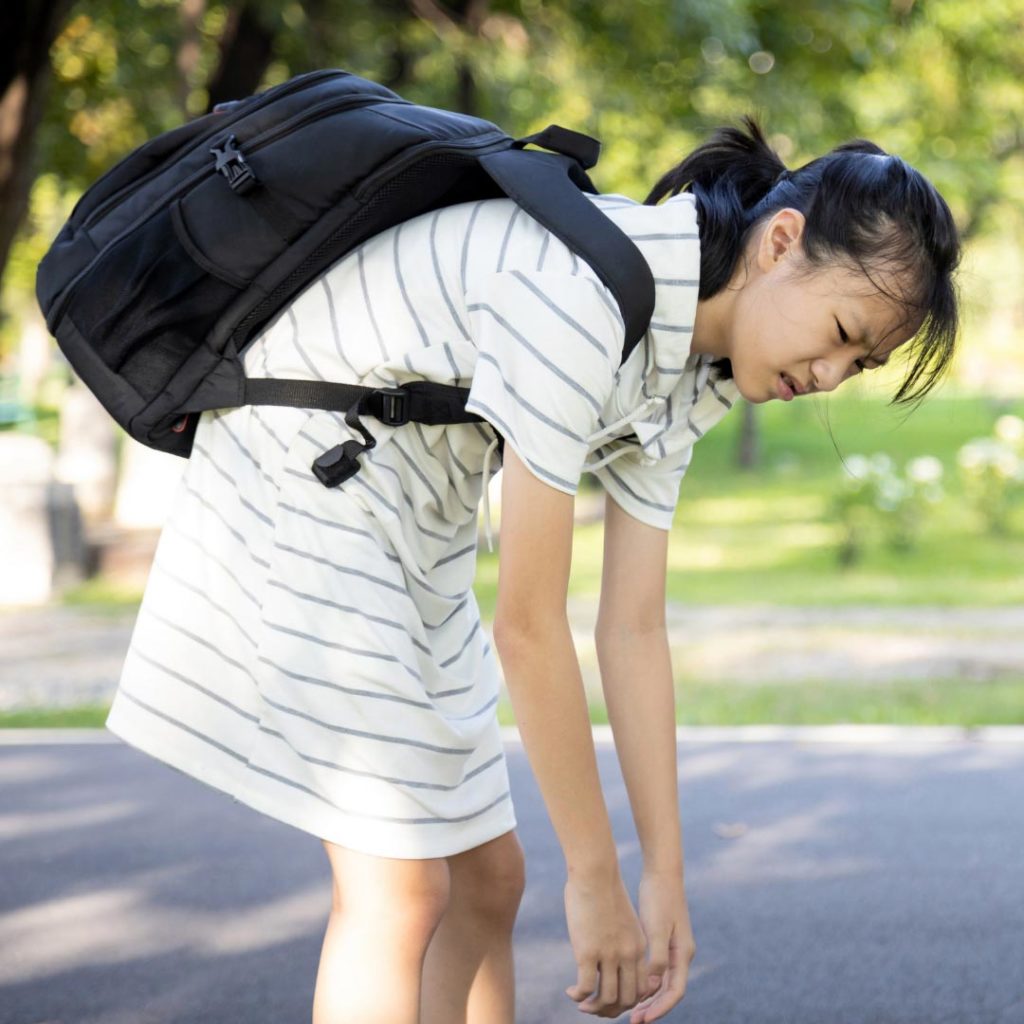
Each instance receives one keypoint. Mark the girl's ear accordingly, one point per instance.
(780, 238)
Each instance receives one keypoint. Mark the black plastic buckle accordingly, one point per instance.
(394, 406)
(231, 163)
(338, 464)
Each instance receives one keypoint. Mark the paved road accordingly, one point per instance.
(830, 882)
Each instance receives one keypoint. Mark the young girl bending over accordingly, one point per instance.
(369, 688)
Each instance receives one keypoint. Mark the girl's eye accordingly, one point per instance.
(844, 337)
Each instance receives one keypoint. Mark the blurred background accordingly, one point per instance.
(833, 559)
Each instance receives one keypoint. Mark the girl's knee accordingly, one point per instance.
(490, 879)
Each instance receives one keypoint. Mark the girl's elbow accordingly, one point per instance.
(614, 631)
(529, 630)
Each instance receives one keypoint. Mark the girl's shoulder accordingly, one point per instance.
(497, 235)
(673, 216)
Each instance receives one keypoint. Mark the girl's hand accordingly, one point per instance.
(608, 943)
(666, 923)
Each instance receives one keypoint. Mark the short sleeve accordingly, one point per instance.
(548, 346)
(646, 488)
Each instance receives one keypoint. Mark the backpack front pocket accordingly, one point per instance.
(146, 304)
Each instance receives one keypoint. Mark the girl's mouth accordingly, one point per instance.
(786, 392)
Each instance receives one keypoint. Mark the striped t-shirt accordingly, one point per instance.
(317, 652)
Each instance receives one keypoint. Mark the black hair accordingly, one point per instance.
(862, 207)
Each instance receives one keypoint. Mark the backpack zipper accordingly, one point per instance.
(224, 121)
(297, 120)
(411, 155)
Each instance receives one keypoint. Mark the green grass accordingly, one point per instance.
(90, 716)
(860, 422)
(101, 595)
(913, 702)
(765, 536)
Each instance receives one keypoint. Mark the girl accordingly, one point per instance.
(317, 653)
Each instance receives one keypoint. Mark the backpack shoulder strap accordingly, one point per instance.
(547, 186)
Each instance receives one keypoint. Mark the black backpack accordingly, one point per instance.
(177, 257)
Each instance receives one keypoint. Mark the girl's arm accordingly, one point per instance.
(636, 676)
(532, 635)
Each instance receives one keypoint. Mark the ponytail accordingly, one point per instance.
(863, 208)
(730, 174)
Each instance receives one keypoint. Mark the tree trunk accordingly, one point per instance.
(470, 15)
(189, 13)
(459, 18)
(245, 51)
(27, 30)
(748, 453)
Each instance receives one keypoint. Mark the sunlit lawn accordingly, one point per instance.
(821, 702)
(766, 537)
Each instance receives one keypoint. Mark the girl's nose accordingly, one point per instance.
(826, 375)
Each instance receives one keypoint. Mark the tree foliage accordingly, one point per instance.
(941, 83)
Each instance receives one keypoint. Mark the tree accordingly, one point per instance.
(85, 82)
(940, 83)
(246, 47)
(27, 30)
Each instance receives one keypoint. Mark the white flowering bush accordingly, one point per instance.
(992, 472)
(876, 498)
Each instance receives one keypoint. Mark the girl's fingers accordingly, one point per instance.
(643, 982)
(645, 1002)
(628, 983)
(607, 994)
(660, 1003)
(643, 1012)
(586, 982)
(614, 999)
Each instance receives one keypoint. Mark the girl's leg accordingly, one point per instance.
(469, 973)
(383, 914)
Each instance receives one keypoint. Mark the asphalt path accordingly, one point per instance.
(834, 877)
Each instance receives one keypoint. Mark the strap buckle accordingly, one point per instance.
(232, 164)
(394, 406)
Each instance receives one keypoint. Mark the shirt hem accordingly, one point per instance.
(125, 723)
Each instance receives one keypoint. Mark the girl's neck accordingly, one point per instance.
(712, 333)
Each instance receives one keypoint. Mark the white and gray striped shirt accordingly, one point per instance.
(483, 295)
(318, 653)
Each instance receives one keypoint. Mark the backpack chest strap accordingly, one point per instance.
(419, 401)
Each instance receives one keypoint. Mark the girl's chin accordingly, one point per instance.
(756, 396)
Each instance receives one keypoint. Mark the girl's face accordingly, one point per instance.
(797, 330)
